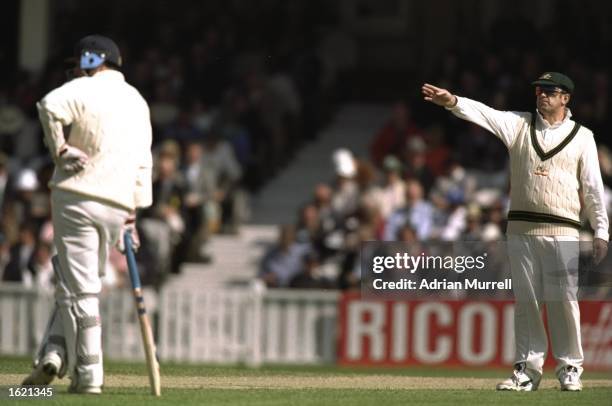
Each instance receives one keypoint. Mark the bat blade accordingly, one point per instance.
(143, 319)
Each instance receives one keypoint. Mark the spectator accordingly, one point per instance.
(394, 135)
(309, 277)
(220, 162)
(162, 224)
(392, 194)
(329, 221)
(284, 260)
(438, 152)
(415, 158)
(456, 185)
(417, 212)
(199, 192)
(12, 120)
(345, 197)
(17, 269)
(41, 267)
(309, 230)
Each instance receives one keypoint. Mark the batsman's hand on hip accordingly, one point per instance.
(600, 250)
(129, 227)
(439, 96)
(72, 159)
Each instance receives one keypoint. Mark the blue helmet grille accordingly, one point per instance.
(91, 60)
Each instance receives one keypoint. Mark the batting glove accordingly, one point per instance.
(72, 159)
(129, 227)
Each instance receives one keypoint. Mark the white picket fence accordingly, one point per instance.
(23, 318)
(248, 325)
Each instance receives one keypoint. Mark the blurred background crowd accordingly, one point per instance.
(237, 88)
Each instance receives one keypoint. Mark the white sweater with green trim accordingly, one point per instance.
(547, 175)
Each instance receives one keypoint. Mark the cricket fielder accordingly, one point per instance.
(553, 160)
(102, 174)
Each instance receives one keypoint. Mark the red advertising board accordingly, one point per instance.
(451, 333)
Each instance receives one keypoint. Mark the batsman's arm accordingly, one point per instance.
(58, 109)
(143, 194)
(503, 124)
(53, 131)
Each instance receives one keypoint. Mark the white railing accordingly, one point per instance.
(23, 318)
(299, 326)
(121, 337)
(209, 325)
(249, 325)
(24, 314)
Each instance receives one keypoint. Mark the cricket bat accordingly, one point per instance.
(145, 325)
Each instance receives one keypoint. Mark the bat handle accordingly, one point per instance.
(129, 254)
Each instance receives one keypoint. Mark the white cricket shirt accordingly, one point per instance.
(109, 120)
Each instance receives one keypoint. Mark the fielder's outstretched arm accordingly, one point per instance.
(503, 124)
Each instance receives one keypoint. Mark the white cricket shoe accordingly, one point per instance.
(90, 390)
(569, 379)
(519, 381)
(45, 371)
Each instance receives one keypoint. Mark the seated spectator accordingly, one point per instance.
(199, 192)
(309, 277)
(162, 224)
(330, 222)
(17, 269)
(473, 229)
(284, 260)
(12, 120)
(220, 162)
(41, 267)
(392, 194)
(26, 202)
(309, 230)
(438, 152)
(345, 196)
(417, 212)
(415, 159)
(394, 135)
(456, 185)
(494, 226)
(365, 177)
(350, 264)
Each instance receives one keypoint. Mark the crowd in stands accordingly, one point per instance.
(232, 105)
(229, 108)
(430, 177)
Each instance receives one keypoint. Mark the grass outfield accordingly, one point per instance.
(127, 384)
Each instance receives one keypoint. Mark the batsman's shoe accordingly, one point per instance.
(570, 380)
(45, 371)
(89, 390)
(519, 381)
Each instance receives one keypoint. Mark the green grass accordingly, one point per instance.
(353, 397)
(338, 397)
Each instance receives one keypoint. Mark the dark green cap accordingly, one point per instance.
(555, 79)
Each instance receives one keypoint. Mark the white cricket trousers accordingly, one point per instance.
(84, 230)
(545, 272)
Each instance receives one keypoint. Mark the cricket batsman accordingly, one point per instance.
(102, 175)
(553, 163)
